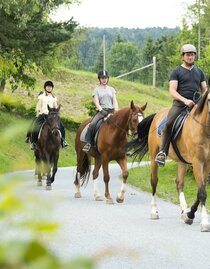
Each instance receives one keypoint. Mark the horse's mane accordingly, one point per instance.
(201, 103)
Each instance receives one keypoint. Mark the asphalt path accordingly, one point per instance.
(119, 236)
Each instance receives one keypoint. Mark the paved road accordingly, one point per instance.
(124, 233)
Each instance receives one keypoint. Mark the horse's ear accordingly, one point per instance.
(144, 107)
(48, 107)
(59, 107)
(132, 105)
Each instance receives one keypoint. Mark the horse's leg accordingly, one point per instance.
(77, 193)
(95, 173)
(182, 169)
(201, 197)
(38, 162)
(154, 182)
(48, 170)
(123, 166)
(105, 166)
(55, 167)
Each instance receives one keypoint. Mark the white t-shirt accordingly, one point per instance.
(43, 101)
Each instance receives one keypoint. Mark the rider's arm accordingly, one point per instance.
(115, 103)
(203, 87)
(96, 102)
(173, 85)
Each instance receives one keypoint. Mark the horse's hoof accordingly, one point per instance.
(98, 198)
(186, 219)
(109, 202)
(120, 200)
(77, 195)
(39, 183)
(48, 187)
(205, 227)
(154, 216)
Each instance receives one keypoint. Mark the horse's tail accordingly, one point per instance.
(139, 145)
(86, 167)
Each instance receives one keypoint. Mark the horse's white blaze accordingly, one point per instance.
(140, 117)
(183, 203)
(204, 216)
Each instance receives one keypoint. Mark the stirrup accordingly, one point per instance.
(161, 158)
(87, 147)
(64, 144)
(33, 146)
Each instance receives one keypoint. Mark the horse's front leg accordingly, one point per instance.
(123, 166)
(48, 171)
(95, 173)
(105, 165)
(201, 196)
(55, 168)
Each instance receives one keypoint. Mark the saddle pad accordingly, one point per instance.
(95, 132)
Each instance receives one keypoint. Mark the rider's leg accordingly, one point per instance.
(166, 134)
(63, 134)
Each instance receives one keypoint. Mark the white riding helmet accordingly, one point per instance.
(188, 48)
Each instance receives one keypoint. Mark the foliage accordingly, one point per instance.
(28, 39)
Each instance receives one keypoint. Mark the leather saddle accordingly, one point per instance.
(177, 127)
(95, 132)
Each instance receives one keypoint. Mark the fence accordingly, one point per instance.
(143, 67)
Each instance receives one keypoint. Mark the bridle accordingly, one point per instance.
(140, 118)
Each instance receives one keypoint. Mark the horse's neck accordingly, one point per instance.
(120, 120)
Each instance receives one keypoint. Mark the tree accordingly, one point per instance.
(123, 57)
(28, 39)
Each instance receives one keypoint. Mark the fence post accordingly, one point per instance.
(154, 72)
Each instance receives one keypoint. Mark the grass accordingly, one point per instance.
(166, 188)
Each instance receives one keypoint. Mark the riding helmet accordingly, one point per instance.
(48, 83)
(103, 73)
(188, 48)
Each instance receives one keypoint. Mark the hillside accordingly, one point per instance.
(73, 89)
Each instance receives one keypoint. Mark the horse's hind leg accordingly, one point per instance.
(154, 181)
(55, 168)
(77, 193)
(38, 168)
(95, 173)
(182, 169)
(106, 181)
(121, 194)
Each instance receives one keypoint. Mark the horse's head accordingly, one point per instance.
(135, 117)
(53, 119)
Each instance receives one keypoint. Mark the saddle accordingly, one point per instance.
(95, 132)
(176, 128)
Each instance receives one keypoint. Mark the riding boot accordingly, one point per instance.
(88, 139)
(164, 147)
(63, 143)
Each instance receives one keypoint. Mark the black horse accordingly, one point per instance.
(48, 146)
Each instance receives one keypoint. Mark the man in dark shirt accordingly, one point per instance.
(186, 82)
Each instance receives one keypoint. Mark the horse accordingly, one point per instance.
(112, 138)
(193, 148)
(48, 146)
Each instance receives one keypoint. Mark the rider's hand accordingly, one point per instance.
(189, 103)
(104, 112)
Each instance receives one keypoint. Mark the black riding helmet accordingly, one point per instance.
(48, 83)
(103, 73)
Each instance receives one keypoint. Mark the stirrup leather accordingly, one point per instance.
(161, 158)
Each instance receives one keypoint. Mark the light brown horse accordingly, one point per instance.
(194, 146)
(111, 142)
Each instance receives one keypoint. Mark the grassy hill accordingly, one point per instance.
(73, 89)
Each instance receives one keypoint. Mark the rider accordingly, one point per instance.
(185, 83)
(104, 98)
(45, 98)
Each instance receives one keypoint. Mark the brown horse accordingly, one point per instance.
(48, 146)
(193, 146)
(111, 140)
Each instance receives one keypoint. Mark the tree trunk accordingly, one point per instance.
(2, 85)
